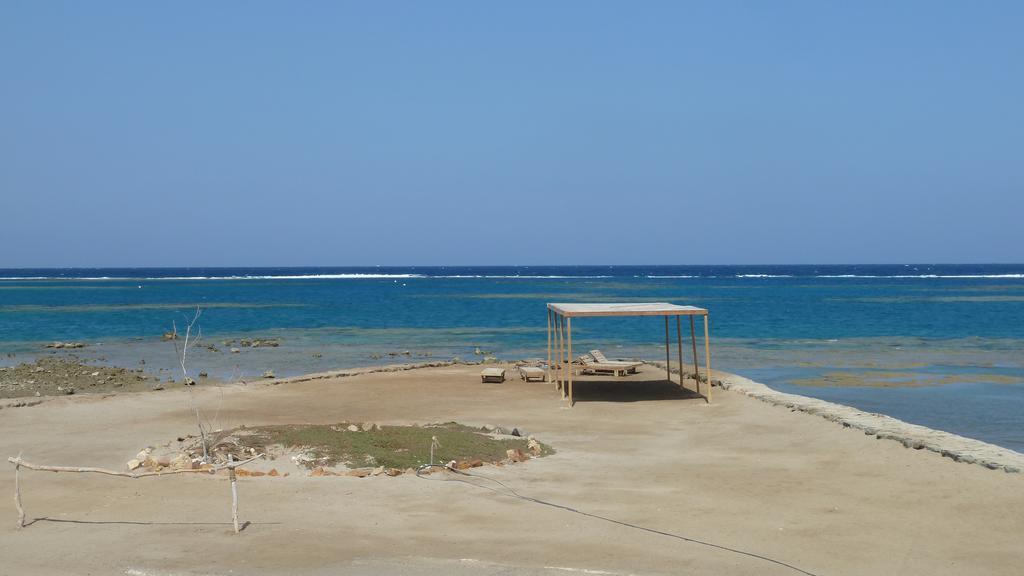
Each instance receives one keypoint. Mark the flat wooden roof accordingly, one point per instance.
(625, 309)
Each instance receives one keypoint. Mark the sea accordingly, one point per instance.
(936, 345)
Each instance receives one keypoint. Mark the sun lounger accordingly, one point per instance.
(630, 365)
(528, 373)
(588, 364)
(492, 375)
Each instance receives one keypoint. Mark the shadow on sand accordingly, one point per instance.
(629, 389)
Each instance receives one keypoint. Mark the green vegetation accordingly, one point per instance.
(389, 446)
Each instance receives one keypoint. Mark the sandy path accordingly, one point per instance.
(738, 472)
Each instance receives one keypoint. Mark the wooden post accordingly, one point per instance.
(568, 322)
(549, 345)
(707, 355)
(679, 341)
(234, 491)
(668, 363)
(693, 340)
(560, 321)
(17, 493)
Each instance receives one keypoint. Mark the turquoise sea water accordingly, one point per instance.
(938, 345)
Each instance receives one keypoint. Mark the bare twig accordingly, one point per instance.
(182, 353)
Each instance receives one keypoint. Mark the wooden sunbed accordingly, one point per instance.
(630, 365)
(588, 364)
(492, 375)
(528, 373)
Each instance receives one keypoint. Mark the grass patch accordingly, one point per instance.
(389, 446)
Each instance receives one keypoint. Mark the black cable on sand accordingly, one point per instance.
(512, 493)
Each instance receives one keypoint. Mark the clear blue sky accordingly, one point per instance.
(250, 133)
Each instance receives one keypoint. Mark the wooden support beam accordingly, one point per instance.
(693, 340)
(569, 358)
(549, 346)
(679, 341)
(707, 355)
(561, 353)
(668, 358)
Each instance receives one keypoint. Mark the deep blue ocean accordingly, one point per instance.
(938, 345)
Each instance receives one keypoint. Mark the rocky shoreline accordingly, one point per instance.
(953, 446)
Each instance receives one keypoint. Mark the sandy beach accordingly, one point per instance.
(740, 473)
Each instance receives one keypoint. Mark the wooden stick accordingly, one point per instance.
(17, 494)
(693, 340)
(234, 491)
(668, 361)
(707, 355)
(561, 354)
(549, 345)
(679, 341)
(569, 324)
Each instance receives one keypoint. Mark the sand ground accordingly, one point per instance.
(738, 472)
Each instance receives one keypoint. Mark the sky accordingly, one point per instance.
(473, 133)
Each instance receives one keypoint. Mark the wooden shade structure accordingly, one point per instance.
(560, 317)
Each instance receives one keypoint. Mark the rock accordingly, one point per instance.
(475, 463)
(516, 455)
(143, 455)
(204, 375)
(65, 345)
(359, 472)
(94, 374)
(377, 471)
(353, 428)
(533, 446)
(515, 432)
(273, 472)
(189, 382)
(169, 336)
(368, 426)
(319, 471)
(393, 472)
(133, 464)
(181, 461)
(235, 350)
(268, 374)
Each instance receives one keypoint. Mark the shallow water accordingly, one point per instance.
(934, 345)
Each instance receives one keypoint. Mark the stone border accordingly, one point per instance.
(883, 427)
(345, 373)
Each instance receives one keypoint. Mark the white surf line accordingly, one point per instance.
(953, 446)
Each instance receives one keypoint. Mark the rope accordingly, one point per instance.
(512, 493)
